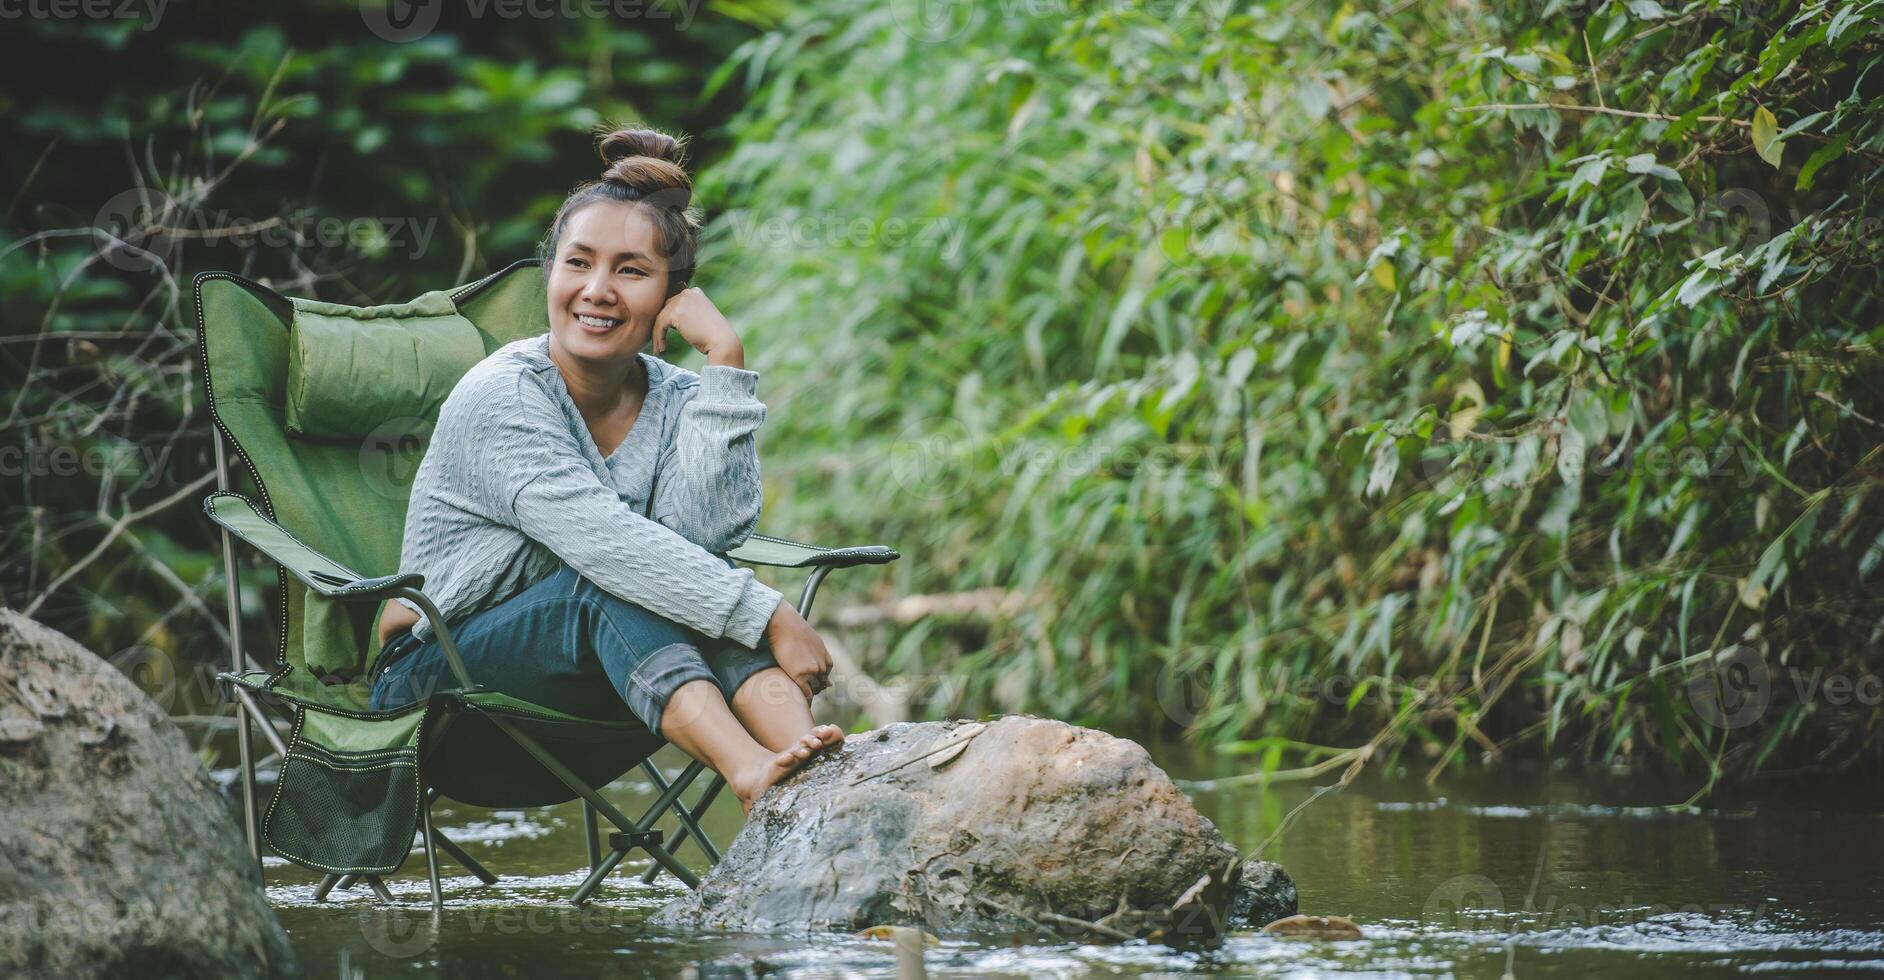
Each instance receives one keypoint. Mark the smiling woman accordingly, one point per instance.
(566, 513)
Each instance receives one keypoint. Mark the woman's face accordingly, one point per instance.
(607, 281)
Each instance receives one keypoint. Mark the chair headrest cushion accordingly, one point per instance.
(356, 372)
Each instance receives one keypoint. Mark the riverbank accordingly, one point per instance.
(1562, 874)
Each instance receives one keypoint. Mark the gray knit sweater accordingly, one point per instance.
(513, 486)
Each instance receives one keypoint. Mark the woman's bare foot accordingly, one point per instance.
(749, 785)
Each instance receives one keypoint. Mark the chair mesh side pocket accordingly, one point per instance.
(347, 800)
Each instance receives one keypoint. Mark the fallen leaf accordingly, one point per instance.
(888, 934)
(963, 736)
(1314, 927)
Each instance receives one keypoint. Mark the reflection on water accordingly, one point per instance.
(1526, 873)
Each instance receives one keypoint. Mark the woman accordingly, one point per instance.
(565, 512)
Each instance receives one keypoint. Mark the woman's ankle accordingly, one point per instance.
(772, 709)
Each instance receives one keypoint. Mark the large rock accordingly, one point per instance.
(1019, 824)
(117, 855)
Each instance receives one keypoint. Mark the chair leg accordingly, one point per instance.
(680, 834)
(667, 860)
(372, 881)
(594, 880)
(431, 858)
(686, 818)
(592, 835)
(588, 794)
(457, 853)
(619, 846)
(327, 885)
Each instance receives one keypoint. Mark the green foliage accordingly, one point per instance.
(1441, 374)
(291, 144)
(1425, 374)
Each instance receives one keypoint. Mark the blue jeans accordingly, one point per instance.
(566, 643)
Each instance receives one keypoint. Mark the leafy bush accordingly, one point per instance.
(1455, 375)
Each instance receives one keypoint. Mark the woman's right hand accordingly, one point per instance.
(799, 650)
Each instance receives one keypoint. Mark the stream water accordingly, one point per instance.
(1505, 872)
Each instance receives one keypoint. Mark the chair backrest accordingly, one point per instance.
(345, 497)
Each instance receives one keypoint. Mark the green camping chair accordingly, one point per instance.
(328, 409)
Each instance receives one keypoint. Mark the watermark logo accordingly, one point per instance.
(1739, 220)
(1463, 902)
(1182, 690)
(1465, 453)
(391, 453)
(1732, 689)
(932, 21)
(399, 21)
(930, 457)
(153, 671)
(397, 931)
(136, 223)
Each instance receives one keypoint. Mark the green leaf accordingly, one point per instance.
(1386, 464)
(1644, 163)
(1868, 562)
(1590, 175)
(1698, 286)
(1175, 242)
(1766, 141)
(1819, 158)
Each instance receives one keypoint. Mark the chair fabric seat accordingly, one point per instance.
(347, 798)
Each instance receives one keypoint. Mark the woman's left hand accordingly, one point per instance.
(701, 324)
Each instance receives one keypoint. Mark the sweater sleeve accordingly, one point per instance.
(543, 483)
(707, 488)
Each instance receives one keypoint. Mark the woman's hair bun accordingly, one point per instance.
(623, 143)
(648, 164)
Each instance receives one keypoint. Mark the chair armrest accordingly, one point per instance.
(763, 549)
(321, 574)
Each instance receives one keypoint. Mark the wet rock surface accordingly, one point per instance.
(117, 854)
(1019, 824)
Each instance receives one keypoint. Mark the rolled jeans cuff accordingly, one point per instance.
(656, 679)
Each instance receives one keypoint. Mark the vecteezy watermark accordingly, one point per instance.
(1468, 452)
(86, 10)
(1473, 902)
(1736, 687)
(935, 21)
(932, 458)
(40, 461)
(830, 230)
(1191, 680)
(409, 20)
(403, 932)
(142, 227)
